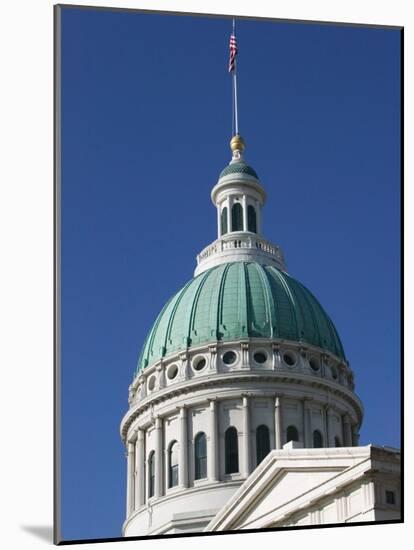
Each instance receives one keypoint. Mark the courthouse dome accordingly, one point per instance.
(235, 301)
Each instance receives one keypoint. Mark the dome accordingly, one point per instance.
(239, 167)
(235, 301)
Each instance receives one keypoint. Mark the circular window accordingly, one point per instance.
(289, 358)
(314, 364)
(334, 372)
(199, 363)
(260, 357)
(172, 372)
(229, 357)
(151, 383)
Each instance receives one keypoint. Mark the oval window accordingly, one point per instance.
(229, 357)
(289, 358)
(172, 372)
(260, 357)
(314, 364)
(199, 363)
(151, 383)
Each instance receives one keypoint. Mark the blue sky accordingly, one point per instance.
(146, 121)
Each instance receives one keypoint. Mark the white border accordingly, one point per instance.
(26, 290)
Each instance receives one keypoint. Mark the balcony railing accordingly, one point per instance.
(241, 241)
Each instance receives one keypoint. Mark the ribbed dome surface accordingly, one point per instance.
(238, 168)
(235, 301)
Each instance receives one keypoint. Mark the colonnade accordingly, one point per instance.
(137, 457)
(228, 203)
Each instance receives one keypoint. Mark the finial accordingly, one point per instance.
(237, 146)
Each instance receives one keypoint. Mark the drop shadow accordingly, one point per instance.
(43, 532)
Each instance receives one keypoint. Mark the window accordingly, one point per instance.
(172, 372)
(317, 439)
(199, 363)
(337, 442)
(251, 219)
(224, 226)
(292, 434)
(231, 449)
(229, 357)
(237, 217)
(390, 497)
(173, 464)
(151, 474)
(260, 357)
(200, 456)
(262, 443)
(289, 358)
(314, 364)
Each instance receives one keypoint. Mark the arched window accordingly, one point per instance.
(173, 464)
(292, 434)
(224, 224)
(200, 456)
(337, 442)
(251, 219)
(262, 443)
(231, 449)
(151, 474)
(317, 439)
(237, 217)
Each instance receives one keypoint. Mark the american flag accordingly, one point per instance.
(233, 53)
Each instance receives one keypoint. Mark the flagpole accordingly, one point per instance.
(236, 117)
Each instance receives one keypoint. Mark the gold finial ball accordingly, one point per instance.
(237, 143)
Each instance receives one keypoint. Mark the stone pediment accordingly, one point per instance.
(292, 480)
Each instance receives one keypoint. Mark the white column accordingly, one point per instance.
(229, 206)
(329, 431)
(347, 431)
(183, 464)
(325, 426)
(246, 436)
(219, 220)
(307, 423)
(278, 423)
(212, 454)
(244, 204)
(139, 470)
(130, 479)
(158, 457)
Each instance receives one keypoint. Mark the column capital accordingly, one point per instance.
(182, 409)
(212, 401)
(245, 398)
(131, 445)
(158, 422)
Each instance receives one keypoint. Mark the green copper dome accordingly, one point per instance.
(239, 300)
(238, 168)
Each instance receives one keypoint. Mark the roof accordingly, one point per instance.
(235, 301)
(239, 167)
(291, 483)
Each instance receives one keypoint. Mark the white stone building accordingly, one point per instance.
(240, 362)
